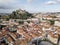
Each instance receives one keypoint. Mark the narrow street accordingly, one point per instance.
(45, 43)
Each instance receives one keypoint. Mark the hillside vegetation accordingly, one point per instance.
(18, 14)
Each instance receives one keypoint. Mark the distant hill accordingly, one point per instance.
(2, 14)
(18, 14)
(23, 14)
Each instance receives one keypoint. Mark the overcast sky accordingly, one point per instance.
(7, 6)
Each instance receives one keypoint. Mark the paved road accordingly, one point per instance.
(59, 42)
(45, 43)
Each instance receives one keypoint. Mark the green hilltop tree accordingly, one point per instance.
(20, 14)
(52, 22)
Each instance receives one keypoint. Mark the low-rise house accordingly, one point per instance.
(35, 20)
(48, 17)
(46, 27)
(53, 37)
(9, 39)
(58, 30)
(57, 23)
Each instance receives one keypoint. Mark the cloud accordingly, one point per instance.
(51, 2)
(7, 4)
(11, 4)
(58, 0)
(7, 1)
(29, 1)
(5, 7)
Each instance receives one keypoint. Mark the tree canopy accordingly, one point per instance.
(18, 14)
